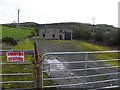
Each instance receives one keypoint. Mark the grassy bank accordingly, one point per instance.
(15, 32)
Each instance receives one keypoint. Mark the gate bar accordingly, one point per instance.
(81, 76)
(111, 80)
(16, 82)
(69, 53)
(82, 61)
(16, 74)
(82, 69)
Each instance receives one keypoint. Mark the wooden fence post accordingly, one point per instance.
(37, 68)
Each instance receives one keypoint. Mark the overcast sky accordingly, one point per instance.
(54, 11)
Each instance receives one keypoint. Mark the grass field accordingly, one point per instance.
(14, 32)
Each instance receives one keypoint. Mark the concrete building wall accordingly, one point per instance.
(53, 33)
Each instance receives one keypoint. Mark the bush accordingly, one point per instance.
(10, 40)
(81, 33)
(99, 36)
(37, 31)
(111, 38)
(33, 33)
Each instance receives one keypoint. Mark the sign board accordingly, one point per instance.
(15, 56)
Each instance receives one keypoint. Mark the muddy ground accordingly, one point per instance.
(50, 46)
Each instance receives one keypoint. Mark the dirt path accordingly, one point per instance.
(50, 46)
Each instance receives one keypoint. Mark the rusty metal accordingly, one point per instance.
(37, 68)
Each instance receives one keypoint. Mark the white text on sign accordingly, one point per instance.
(15, 56)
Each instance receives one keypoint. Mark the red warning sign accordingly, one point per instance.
(15, 56)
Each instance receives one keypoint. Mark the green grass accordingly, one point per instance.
(48, 82)
(0, 32)
(23, 45)
(15, 32)
(85, 46)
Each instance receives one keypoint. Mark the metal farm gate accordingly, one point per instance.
(63, 70)
(81, 70)
(19, 73)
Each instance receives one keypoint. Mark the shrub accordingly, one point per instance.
(81, 33)
(111, 38)
(33, 33)
(99, 36)
(10, 40)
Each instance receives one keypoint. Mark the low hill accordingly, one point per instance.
(64, 24)
(25, 24)
(76, 24)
